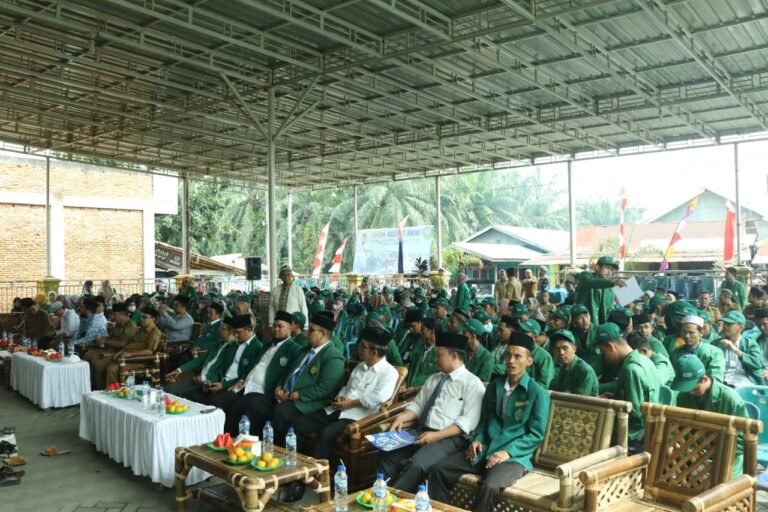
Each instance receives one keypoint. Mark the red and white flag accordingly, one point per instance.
(320, 250)
(730, 232)
(678, 234)
(622, 240)
(336, 266)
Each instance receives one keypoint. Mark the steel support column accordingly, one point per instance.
(738, 203)
(272, 225)
(185, 224)
(290, 229)
(571, 214)
(48, 245)
(439, 220)
(354, 193)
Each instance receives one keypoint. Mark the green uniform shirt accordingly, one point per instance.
(663, 367)
(596, 294)
(481, 364)
(136, 317)
(337, 344)
(301, 339)
(515, 425)
(671, 342)
(319, 381)
(751, 359)
(709, 355)
(577, 378)
(637, 382)
(658, 347)
(210, 336)
(201, 361)
(463, 298)
(499, 364)
(543, 368)
(712, 336)
(248, 360)
(723, 400)
(586, 348)
(393, 354)
(423, 364)
(739, 291)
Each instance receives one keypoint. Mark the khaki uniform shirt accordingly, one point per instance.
(146, 340)
(125, 332)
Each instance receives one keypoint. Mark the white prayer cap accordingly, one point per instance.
(693, 319)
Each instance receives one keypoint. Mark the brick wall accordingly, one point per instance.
(22, 239)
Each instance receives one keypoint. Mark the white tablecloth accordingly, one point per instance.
(142, 440)
(49, 384)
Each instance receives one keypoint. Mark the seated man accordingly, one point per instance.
(411, 334)
(697, 390)
(642, 323)
(574, 374)
(93, 325)
(637, 380)
(176, 326)
(479, 360)
(585, 333)
(446, 409)
(298, 333)
(423, 361)
(513, 421)
(69, 322)
(506, 327)
(100, 358)
(743, 356)
(236, 363)
(690, 332)
(207, 340)
(145, 342)
(209, 365)
(36, 322)
(662, 363)
(543, 368)
(272, 366)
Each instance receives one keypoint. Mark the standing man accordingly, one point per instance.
(743, 356)
(447, 410)
(574, 374)
(712, 358)
(463, 297)
(530, 283)
(500, 286)
(513, 421)
(514, 286)
(737, 288)
(637, 380)
(287, 296)
(595, 290)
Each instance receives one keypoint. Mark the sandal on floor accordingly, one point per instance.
(15, 461)
(53, 452)
(9, 480)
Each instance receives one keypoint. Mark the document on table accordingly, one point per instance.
(388, 441)
(629, 293)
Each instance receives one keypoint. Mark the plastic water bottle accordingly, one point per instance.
(145, 395)
(160, 401)
(290, 448)
(244, 427)
(61, 349)
(422, 499)
(130, 383)
(268, 438)
(380, 494)
(340, 489)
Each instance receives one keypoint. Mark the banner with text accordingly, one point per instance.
(376, 249)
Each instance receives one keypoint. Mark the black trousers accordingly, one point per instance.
(421, 460)
(257, 406)
(444, 474)
(326, 439)
(287, 414)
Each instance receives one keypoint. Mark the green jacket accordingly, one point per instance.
(762, 341)
(709, 355)
(418, 371)
(209, 338)
(596, 294)
(405, 344)
(637, 382)
(751, 359)
(658, 347)
(248, 360)
(319, 382)
(663, 368)
(136, 317)
(577, 378)
(278, 367)
(722, 400)
(586, 348)
(301, 339)
(393, 354)
(543, 368)
(739, 291)
(481, 364)
(338, 345)
(463, 298)
(518, 430)
(499, 364)
(202, 360)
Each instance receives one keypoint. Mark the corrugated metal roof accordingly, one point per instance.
(497, 252)
(369, 91)
(545, 239)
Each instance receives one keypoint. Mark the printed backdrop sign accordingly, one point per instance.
(376, 249)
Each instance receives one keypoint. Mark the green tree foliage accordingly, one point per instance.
(606, 212)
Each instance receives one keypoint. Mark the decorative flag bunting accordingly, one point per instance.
(320, 250)
(400, 263)
(678, 234)
(622, 240)
(730, 232)
(336, 265)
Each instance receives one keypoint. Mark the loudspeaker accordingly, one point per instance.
(253, 268)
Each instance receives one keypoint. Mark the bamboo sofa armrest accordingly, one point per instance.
(157, 356)
(576, 466)
(626, 474)
(368, 424)
(722, 496)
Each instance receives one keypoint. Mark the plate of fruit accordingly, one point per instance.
(267, 462)
(365, 498)
(55, 357)
(221, 443)
(239, 456)
(119, 393)
(176, 407)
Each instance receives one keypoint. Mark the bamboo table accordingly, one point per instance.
(254, 488)
(356, 507)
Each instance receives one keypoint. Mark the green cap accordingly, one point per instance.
(375, 289)
(315, 307)
(299, 318)
(518, 310)
(686, 309)
(608, 260)
(563, 313)
(489, 300)
(704, 315)
(561, 334)
(734, 317)
(608, 332)
(656, 300)
(579, 309)
(481, 316)
(688, 373)
(441, 302)
(474, 326)
(386, 291)
(531, 325)
(419, 292)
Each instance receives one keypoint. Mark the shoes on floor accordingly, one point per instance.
(15, 461)
(6, 481)
(7, 448)
(9, 471)
(294, 492)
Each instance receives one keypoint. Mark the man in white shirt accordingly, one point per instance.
(446, 410)
(272, 365)
(370, 384)
(287, 296)
(69, 322)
